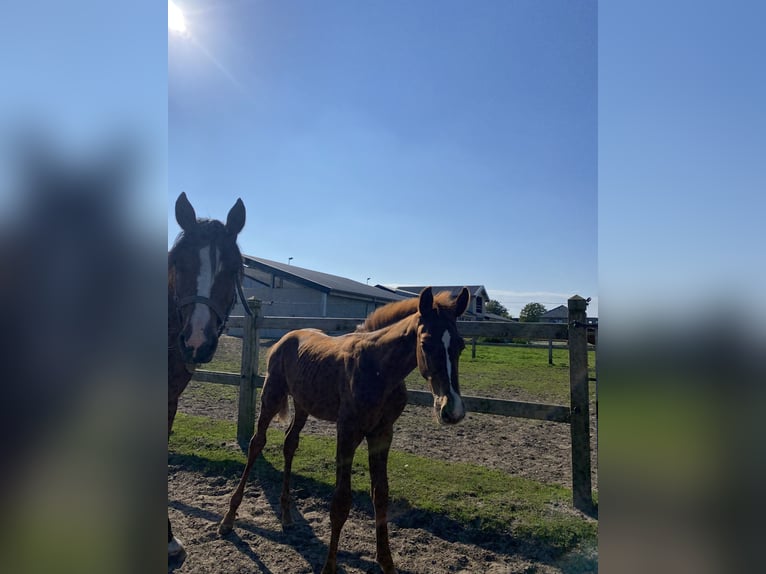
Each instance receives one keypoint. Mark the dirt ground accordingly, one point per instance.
(420, 542)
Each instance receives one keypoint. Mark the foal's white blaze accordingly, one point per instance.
(457, 402)
(201, 314)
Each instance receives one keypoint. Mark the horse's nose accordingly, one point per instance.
(452, 412)
(186, 351)
(204, 353)
(451, 418)
(183, 342)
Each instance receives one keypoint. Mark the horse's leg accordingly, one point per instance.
(175, 546)
(178, 379)
(348, 441)
(379, 443)
(290, 446)
(172, 408)
(272, 401)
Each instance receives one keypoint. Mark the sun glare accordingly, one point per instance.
(176, 21)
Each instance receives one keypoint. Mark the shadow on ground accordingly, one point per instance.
(302, 537)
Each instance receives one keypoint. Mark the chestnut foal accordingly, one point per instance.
(357, 381)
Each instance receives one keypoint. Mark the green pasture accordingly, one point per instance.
(497, 371)
(474, 502)
(480, 504)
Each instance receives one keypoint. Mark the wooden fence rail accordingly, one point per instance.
(576, 414)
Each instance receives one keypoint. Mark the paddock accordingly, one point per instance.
(533, 448)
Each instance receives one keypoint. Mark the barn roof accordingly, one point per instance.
(560, 312)
(324, 282)
(475, 290)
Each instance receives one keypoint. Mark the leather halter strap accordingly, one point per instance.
(223, 315)
(248, 312)
(184, 301)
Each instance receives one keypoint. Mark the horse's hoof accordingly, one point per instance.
(176, 549)
(225, 528)
(388, 568)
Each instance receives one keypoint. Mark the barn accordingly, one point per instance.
(287, 290)
(479, 298)
(290, 291)
(560, 314)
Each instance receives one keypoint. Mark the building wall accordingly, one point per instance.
(287, 299)
(347, 307)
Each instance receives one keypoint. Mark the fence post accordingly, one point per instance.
(550, 351)
(578, 392)
(248, 374)
(473, 348)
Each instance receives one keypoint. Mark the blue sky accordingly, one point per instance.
(468, 125)
(408, 142)
(682, 159)
(74, 74)
(472, 127)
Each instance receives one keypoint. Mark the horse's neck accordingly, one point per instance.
(396, 347)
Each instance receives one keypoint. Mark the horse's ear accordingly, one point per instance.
(235, 221)
(426, 302)
(185, 215)
(461, 303)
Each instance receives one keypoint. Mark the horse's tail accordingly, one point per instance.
(283, 415)
(277, 379)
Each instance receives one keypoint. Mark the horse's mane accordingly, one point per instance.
(205, 230)
(395, 312)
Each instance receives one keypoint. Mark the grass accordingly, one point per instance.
(228, 356)
(496, 370)
(474, 501)
(470, 502)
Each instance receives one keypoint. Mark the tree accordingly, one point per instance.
(497, 308)
(532, 312)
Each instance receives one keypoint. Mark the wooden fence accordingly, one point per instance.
(576, 415)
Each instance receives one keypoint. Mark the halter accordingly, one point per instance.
(248, 312)
(184, 301)
(223, 314)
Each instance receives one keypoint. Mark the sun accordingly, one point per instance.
(176, 20)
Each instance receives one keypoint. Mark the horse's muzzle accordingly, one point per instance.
(450, 408)
(198, 354)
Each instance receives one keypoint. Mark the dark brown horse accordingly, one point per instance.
(357, 380)
(204, 273)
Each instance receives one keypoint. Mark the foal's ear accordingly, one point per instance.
(461, 303)
(235, 221)
(185, 215)
(426, 302)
